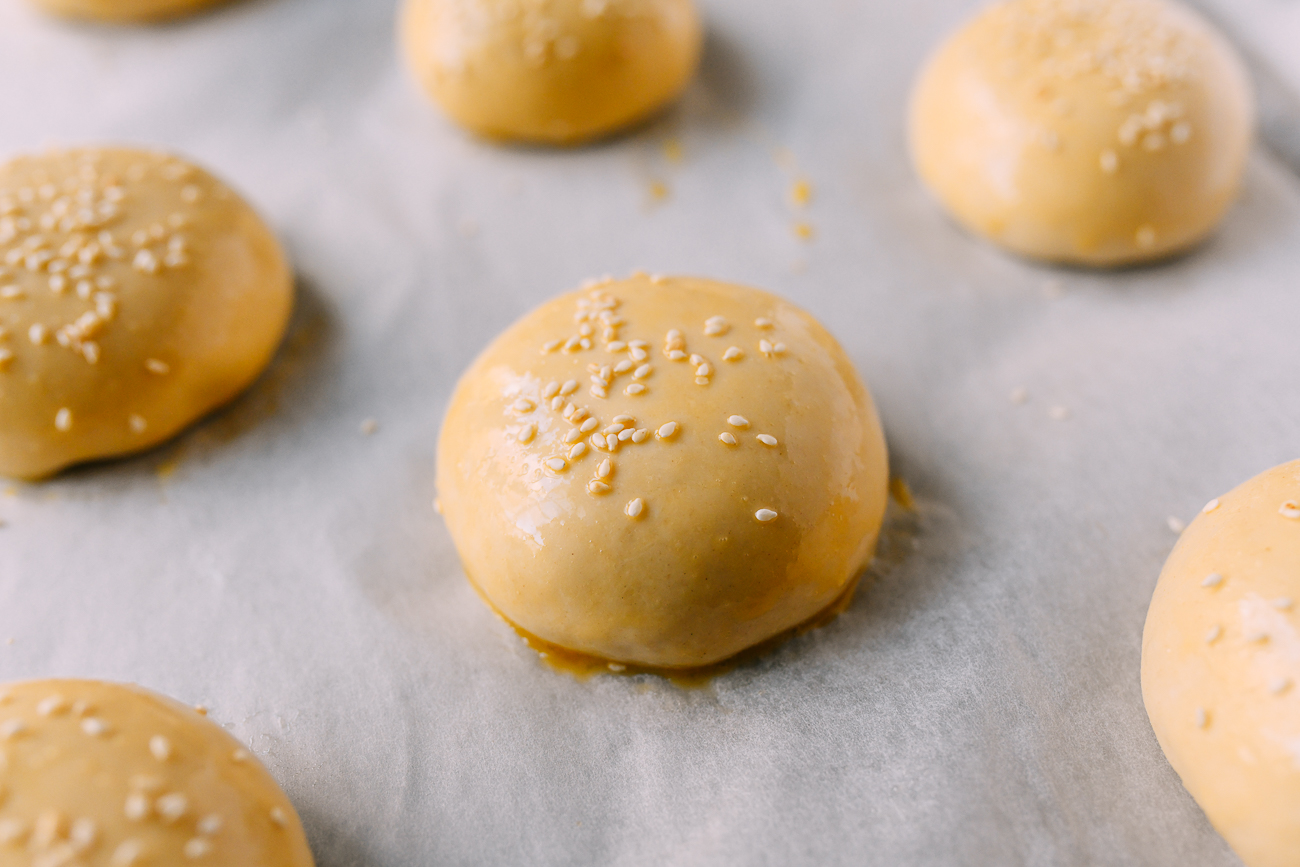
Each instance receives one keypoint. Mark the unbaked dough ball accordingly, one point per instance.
(552, 71)
(96, 773)
(662, 471)
(124, 10)
(1093, 132)
(1221, 665)
(137, 293)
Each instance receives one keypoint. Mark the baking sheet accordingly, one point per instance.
(979, 702)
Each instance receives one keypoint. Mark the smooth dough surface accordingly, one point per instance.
(137, 293)
(551, 71)
(1093, 132)
(662, 471)
(124, 10)
(1221, 665)
(109, 775)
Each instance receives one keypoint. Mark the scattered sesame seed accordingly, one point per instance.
(668, 431)
(157, 367)
(640, 435)
(634, 389)
(558, 465)
(12, 728)
(642, 372)
(577, 451)
(1290, 509)
(1284, 603)
(94, 726)
(172, 806)
(523, 405)
(615, 346)
(1214, 579)
(766, 439)
(1109, 161)
(240, 755)
(137, 423)
(38, 333)
(625, 435)
(551, 390)
(569, 387)
(209, 824)
(1175, 525)
(1260, 637)
(589, 425)
(611, 442)
(638, 354)
(676, 355)
(1202, 718)
(278, 817)
(1279, 685)
(716, 326)
(765, 516)
(624, 419)
(573, 436)
(83, 833)
(1213, 635)
(137, 807)
(161, 747)
(52, 705)
(556, 403)
(6, 357)
(127, 854)
(596, 487)
(763, 323)
(727, 439)
(63, 420)
(525, 435)
(738, 421)
(598, 391)
(634, 508)
(1146, 236)
(704, 370)
(612, 429)
(605, 469)
(765, 347)
(1211, 506)
(197, 847)
(624, 366)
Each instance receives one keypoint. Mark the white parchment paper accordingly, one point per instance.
(978, 704)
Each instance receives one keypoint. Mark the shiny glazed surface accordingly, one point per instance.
(1221, 665)
(1101, 132)
(137, 293)
(689, 539)
(113, 775)
(556, 71)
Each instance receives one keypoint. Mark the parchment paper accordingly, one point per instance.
(978, 704)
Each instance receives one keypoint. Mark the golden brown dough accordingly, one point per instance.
(108, 775)
(1221, 665)
(551, 71)
(124, 10)
(137, 293)
(1094, 132)
(662, 472)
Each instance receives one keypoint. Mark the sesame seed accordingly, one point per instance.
(161, 747)
(157, 367)
(715, 326)
(1175, 524)
(1283, 604)
(638, 354)
(624, 366)
(624, 419)
(6, 357)
(634, 508)
(634, 389)
(209, 824)
(1214, 579)
(83, 833)
(239, 756)
(172, 806)
(701, 380)
(551, 390)
(598, 441)
(605, 469)
(197, 848)
(638, 344)
(1181, 132)
(704, 370)
(1213, 635)
(642, 372)
(1211, 506)
(641, 435)
(137, 423)
(673, 335)
(615, 346)
(765, 516)
(589, 425)
(1257, 638)
(94, 726)
(1290, 509)
(522, 405)
(677, 355)
(778, 348)
(11, 293)
(738, 421)
(146, 262)
(1202, 718)
(569, 410)
(127, 854)
(278, 817)
(552, 345)
(734, 353)
(12, 728)
(763, 323)
(38, 333)
(697, 359)
(63, 420)
(12, 831)
(597, 391)
(668, 431)
(611, 442)
(529, 431)
(612, 429)
(1279, 685)
(766, 439)
(137, 807)
(625, 435)
(1109, 161)
(727, 439)
(569, 387)
(556, 403)
(599, 381)
(597, 487)
(577, 451)
(765, 347)
(558, 465)
(1146, 236)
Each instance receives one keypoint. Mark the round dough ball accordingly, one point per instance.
(551, 71)
(137, 293)
(1221, 665)
(116, 775)
(1092, 132)
(124, 10)
(662, 472)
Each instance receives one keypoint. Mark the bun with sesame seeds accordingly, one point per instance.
(1221, 665)
(662, 472)
(1089, 132)
(95, 773)
(554, 71)
(137, 293)
(124, 10)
